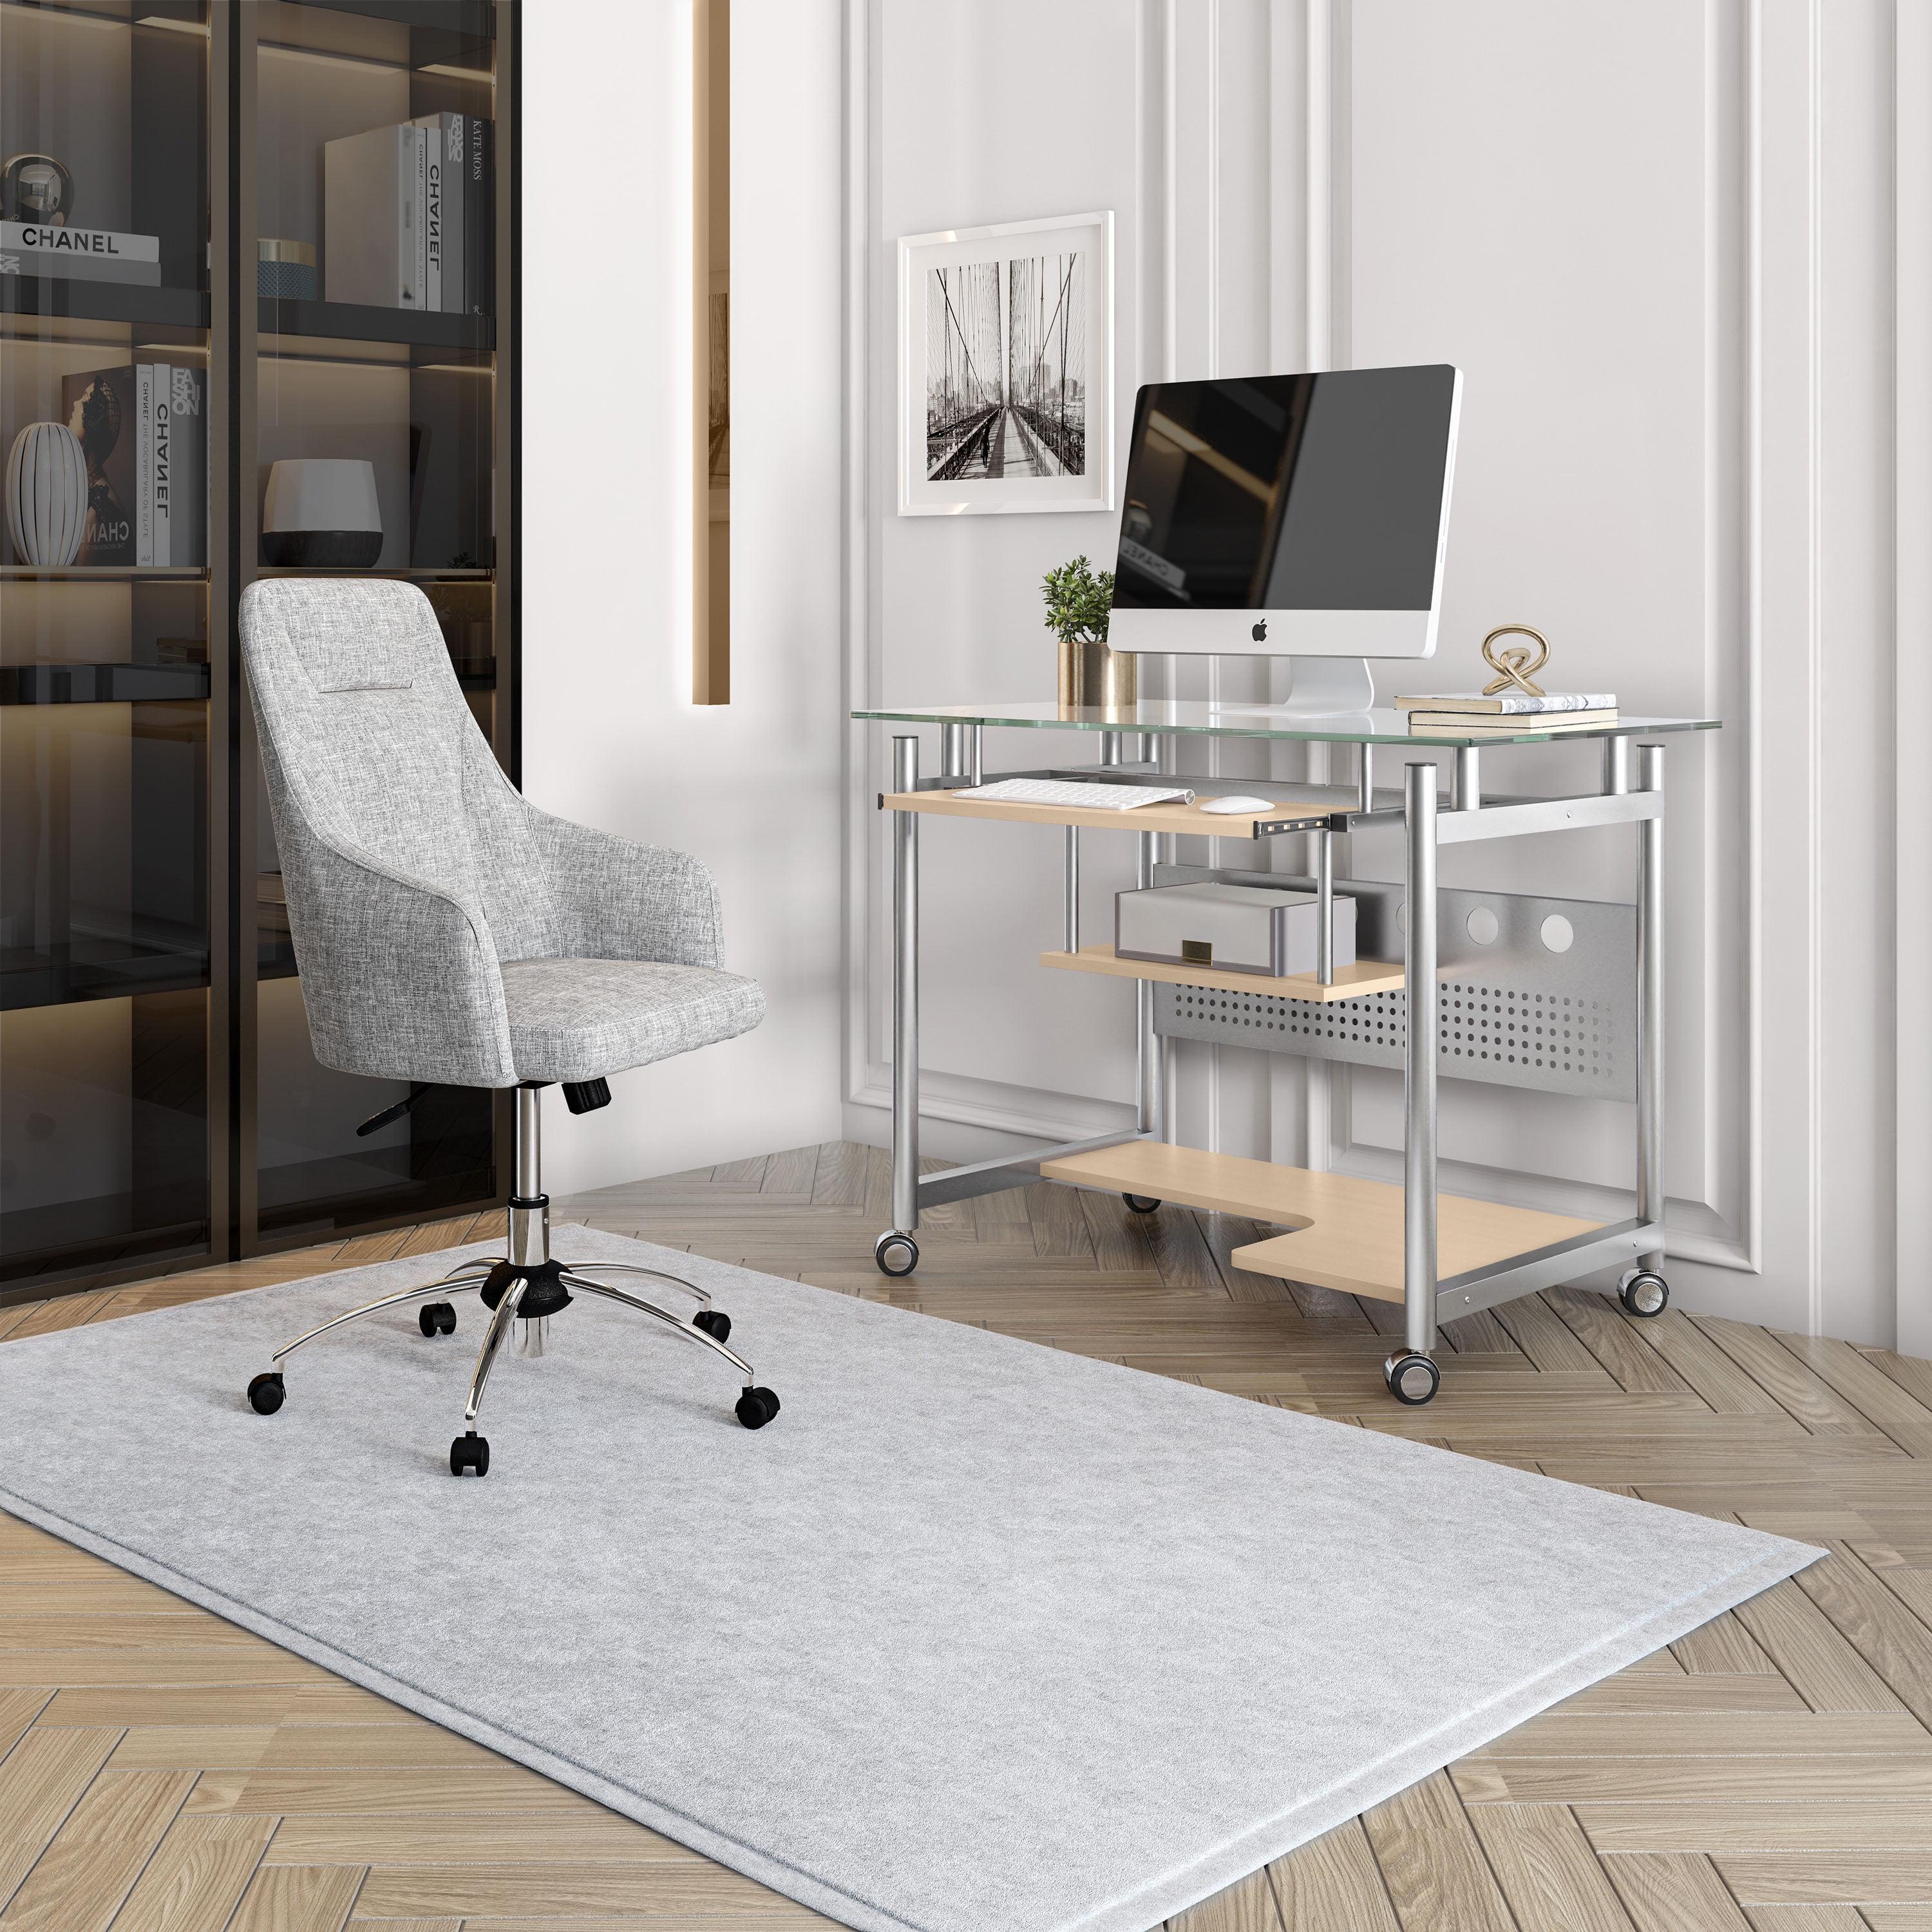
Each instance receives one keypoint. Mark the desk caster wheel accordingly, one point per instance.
(1141, 1204)
(470, 1451)
(436, 1318)
(895, 1254)
(715, 1322)
(1644, 1294)
(1412, 1379)
(756, 1407)
(265, 1393)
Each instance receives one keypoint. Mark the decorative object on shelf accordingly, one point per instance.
(1513, 667)
(322, 513)
(46, 495)
(285, 270)
(81, 254)
(1007, 367)
(36, 188)
(1078, 606)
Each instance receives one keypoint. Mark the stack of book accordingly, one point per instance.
(1464, 714)
(405, 213)
(144, 432)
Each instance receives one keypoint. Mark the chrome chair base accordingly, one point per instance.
(528, 1278)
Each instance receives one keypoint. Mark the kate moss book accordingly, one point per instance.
(1511, 703)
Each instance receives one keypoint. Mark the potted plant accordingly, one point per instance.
(1078, 605)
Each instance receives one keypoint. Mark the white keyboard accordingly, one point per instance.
(1070, 792)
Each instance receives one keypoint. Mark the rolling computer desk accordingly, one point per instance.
(1563, 996)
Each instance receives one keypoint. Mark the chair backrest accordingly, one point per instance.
(366, 743)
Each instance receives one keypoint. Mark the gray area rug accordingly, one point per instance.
(976, 1637)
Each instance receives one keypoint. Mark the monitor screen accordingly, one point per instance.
(1317, 492)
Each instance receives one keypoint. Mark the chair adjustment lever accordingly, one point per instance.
(586, 1097)
(376, 1123)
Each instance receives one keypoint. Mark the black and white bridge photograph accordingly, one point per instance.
(1006, 369)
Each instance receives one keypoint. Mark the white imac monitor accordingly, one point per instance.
(1304, 516)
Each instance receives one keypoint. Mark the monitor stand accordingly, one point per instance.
(1318, 688)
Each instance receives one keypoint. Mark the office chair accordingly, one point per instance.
(449, 933)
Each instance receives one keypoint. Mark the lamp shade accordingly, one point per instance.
(321, 513)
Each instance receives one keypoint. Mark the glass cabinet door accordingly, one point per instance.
(375, 411)
(104, 677)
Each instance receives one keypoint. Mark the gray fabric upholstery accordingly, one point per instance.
(576, 1019)
(414, 870)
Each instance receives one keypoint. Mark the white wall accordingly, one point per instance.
(610, 736)
(1687, 276)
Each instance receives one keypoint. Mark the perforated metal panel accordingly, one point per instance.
(1514, 1012)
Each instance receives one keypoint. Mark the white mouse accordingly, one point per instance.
(1237, 801)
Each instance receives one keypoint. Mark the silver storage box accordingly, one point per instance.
(1238, 928)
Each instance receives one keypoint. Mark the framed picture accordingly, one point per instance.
(1007, 367)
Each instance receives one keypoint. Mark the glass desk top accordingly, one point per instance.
(1230, 721)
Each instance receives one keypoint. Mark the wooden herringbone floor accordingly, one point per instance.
(166, 1772)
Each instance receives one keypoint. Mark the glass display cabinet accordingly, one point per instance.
(181, 349)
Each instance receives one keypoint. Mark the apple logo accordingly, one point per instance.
(1259, 633)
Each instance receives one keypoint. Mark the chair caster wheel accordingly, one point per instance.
(470, 1452)
(1141, 1204)
(1644, 1294)
(895, 1254)
(1412, 1379)
(756, 1407)
(715, 1322)
(436, 1318)
(265, 1393)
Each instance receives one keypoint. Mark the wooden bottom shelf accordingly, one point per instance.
(1348, 1231)
(1351, 983)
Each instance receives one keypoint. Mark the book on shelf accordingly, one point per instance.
(188, 500)
(1487, 724)
(479, 232)
(143, 432)
(374, 185)
(1511, 704)
(448, 134)
(85, 254)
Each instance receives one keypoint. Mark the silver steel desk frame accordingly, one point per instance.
(1637, 1244)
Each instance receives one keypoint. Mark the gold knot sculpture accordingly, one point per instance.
(1513, 667)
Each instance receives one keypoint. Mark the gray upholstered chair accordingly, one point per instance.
(450, 934)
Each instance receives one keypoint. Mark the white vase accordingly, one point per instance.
(46, 495)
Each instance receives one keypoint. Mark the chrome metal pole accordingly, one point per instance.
(1365, 787)
(1418, 1139)
(1110, 748)
(1650, 1202)
(529, 1243)
(1325, 907)
(952, 750)
(905, 992)
(1070, 891)
(1616, 765)
(975, 755)
(1465, 788)
(1150, 1088)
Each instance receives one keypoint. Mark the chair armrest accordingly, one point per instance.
(627, 901)
(399, 976)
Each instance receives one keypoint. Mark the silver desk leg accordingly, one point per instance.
(1150, 1088)
(1616, 765)
(959, 752)
(1465, 792)
(1070, 891)
(1650, 1002)
(1418, 1246)
(1365, 779)
(905, 993)
(1324, 906)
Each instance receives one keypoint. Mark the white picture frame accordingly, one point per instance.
(1006, 368)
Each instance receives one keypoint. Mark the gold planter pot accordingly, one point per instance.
(1092, 676)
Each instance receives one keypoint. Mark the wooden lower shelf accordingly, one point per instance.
(1351, 983)
(1348, 1231)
